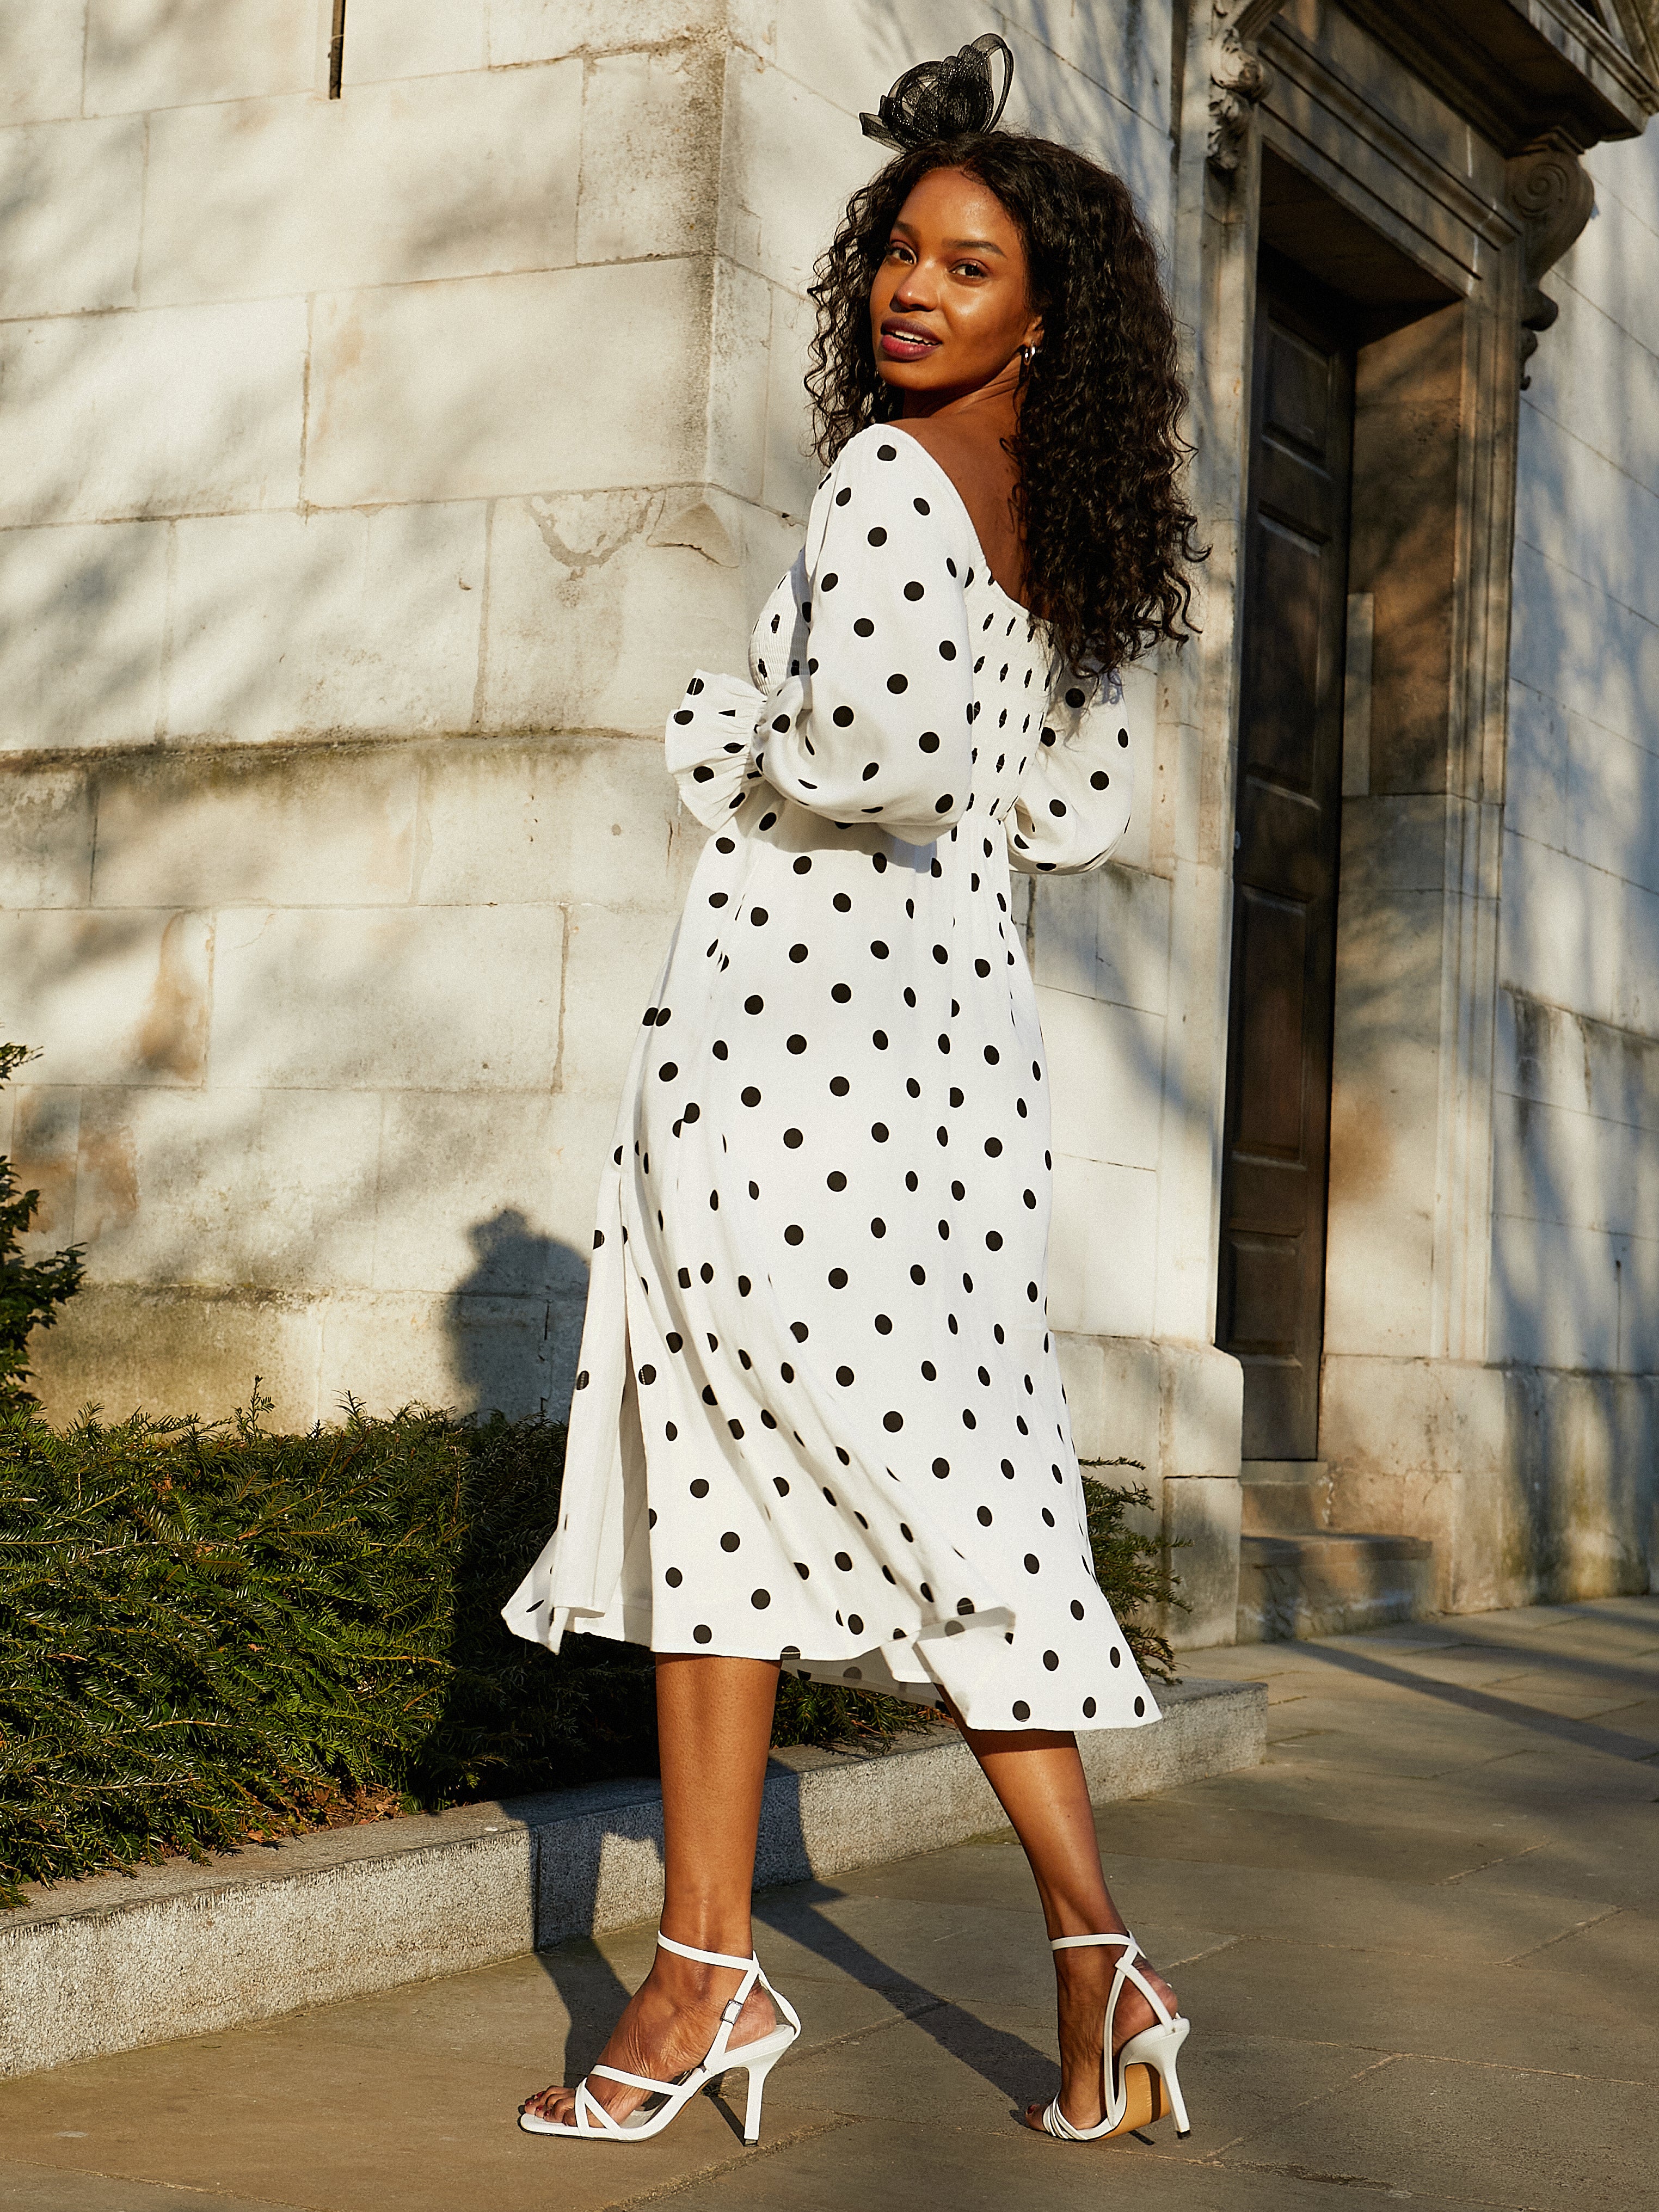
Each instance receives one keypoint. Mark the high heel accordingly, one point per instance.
(1156, 2049)
(756, 2059)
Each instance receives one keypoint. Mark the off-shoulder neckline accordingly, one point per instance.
(944, 474)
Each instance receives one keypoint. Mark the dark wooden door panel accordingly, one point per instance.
(1271, 1301)
(1273, 950)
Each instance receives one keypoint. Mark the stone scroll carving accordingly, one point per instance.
(1554, 197)
(1239, 79)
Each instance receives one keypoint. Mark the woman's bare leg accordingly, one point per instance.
(714, 1725)
(1039, 1782)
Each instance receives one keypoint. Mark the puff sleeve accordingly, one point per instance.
(1073, 807)
(873, 721)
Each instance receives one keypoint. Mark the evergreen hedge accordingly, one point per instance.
(212, 1632)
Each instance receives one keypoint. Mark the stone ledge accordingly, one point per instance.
(118, 1961)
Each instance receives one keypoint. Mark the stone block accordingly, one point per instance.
(1385, 1097)
(41, 51)
(1329, 1584)
(438, 997)
(1558, 1293)
(1553, 1164)
(1539, 1052)
(1595, 404)
(1611, 816)
(793, 158)
(475, 388)
(176, 53)
(595, 623)
(389, 39)
(651, 124)
(1575, 641)
(1578, 936)
(1378, 1417)
(1100, 1249)
(1605, 266)
(540, 30)
(207, 401)
(792, 469)
(462, 1204)
(1571, 1518)
(1066, 936)
(1534, 767)
(737, 380)
(71, 195)
(1106, 1064)
(1201, 1399)
(514, 1356)
(45, 1126)
(108, 997)
(319, 828)
(468, 1353)
(272, 1190)
(300, 624)
(1618, 1072)
(458, 177)
(1133, 938)
(45, 836)
(82, 616)
(613, 957)
(1058, 94)
(157, 1195)
(1394, 841)
(447, 999)
(168, 1350)
(1112, 1395)
(572, 819)
(1201, 1516)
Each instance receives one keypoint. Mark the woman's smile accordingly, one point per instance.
(906, 341)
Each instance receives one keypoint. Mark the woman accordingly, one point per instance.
(818, 1415)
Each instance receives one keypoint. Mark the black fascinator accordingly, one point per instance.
(943, 100)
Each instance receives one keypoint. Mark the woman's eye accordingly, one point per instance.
(970, 268)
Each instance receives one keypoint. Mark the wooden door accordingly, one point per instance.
(1277, 1129)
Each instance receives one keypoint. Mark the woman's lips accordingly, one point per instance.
(900, 342)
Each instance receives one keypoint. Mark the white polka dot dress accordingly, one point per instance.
(818, 1412)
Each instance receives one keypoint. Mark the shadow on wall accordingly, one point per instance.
(515, 1320)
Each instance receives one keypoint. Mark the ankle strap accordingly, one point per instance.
(704, 1958)
(1077, 1942)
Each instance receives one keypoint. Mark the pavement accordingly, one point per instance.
(1419, 1949)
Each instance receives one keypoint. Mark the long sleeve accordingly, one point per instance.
(1074, 805)
(861, 707)
(881, 726)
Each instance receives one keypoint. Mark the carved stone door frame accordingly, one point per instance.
(1470, 176)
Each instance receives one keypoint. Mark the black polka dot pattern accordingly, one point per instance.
(815, 1338)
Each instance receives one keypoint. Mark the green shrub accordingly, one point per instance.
(212, 1631)
(31, 1290)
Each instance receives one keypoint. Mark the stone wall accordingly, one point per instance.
(372, 473)
(1574, 1309)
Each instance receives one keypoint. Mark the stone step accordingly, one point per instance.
(1319, 1582)
(1282, 1509)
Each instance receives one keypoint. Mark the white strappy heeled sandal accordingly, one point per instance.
(1156, 2048)
(665, 2099)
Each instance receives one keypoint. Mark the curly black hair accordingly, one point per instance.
(1108, 536)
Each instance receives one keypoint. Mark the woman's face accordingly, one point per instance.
(951, 307)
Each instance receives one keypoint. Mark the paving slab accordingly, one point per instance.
(1419, 1948)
